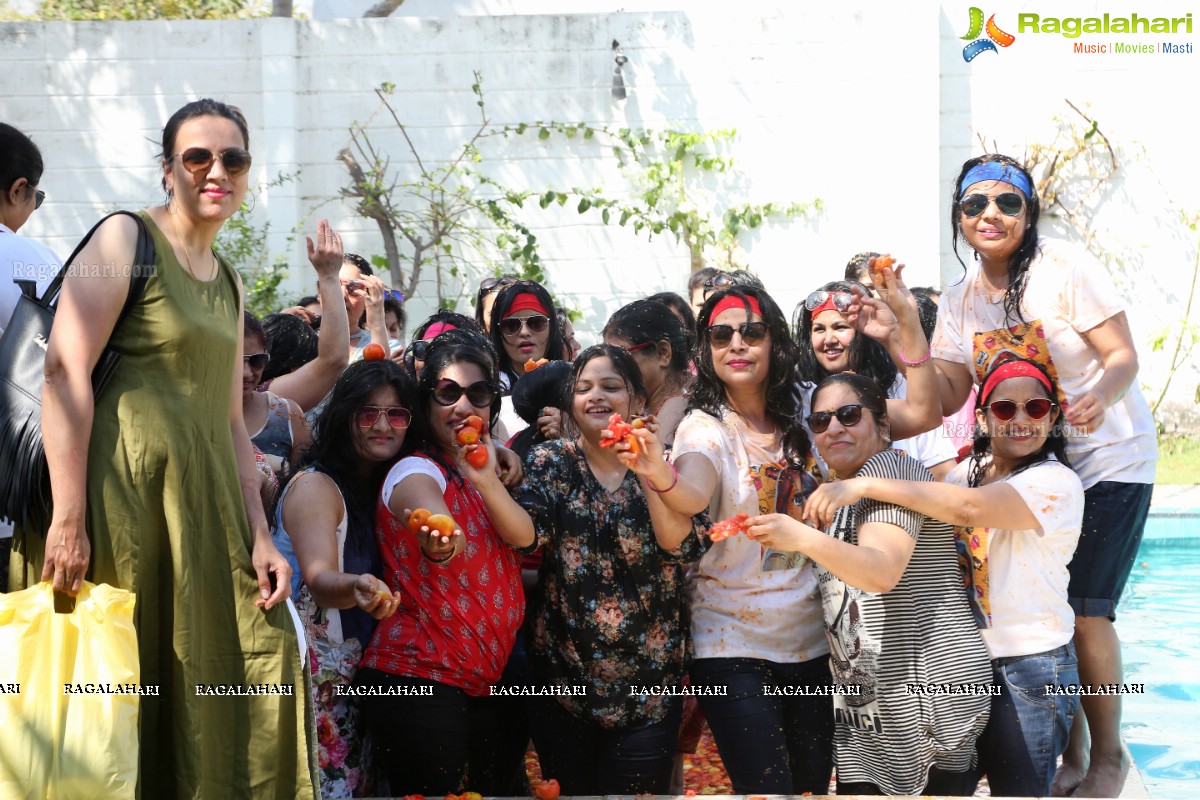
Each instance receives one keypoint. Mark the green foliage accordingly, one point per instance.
(1178, 460)
(668, 169)
(83, 10)
(244, 244)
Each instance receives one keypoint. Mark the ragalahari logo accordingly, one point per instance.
(995, 36)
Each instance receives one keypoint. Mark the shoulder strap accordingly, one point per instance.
(143, 265)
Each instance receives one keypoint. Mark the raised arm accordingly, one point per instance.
(671, 527)
(88, 308)
(309, 384)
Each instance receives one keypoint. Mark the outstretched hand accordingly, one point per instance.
(326, 255)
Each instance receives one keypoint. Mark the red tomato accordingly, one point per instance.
(478, 457)
(374, 352)
(547, 790)
(418, 518)
(467, 435)
(442, 524)
(475, 422)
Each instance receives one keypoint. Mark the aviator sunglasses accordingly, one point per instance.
(1004, 410)
(841, 300)
(199, 160)
(1010, 204)
(479, 394)
(752, 333)
(538, 323)
(397, 417)
(717, 283)
(847, 416)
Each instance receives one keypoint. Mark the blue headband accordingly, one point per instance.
(995, 171)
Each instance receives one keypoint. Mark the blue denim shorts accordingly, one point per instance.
(1030, 723)
(1114, 517)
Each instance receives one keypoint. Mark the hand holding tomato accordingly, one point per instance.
(438, 534)
(373, 596)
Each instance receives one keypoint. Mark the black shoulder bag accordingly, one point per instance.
(24, 478)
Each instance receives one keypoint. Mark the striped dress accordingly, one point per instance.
(915, 668)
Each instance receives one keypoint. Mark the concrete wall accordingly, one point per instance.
(868, 107)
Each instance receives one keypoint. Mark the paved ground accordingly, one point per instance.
(1175, 496)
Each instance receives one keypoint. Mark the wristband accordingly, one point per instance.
(674, 480)
(904, 359)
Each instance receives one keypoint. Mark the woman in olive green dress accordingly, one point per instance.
(155, 488)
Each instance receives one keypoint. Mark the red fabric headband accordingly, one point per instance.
(526, 301)
(438, 327)
(1012, 369)
(828, 305)
(734, 301)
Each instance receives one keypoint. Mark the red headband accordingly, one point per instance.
(734, 301)
(526, 301)
(1012, 369)
(438, 327)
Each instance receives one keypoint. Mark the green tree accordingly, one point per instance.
(83, 10)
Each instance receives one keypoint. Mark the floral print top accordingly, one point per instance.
(610, 614)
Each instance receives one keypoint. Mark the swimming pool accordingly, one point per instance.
(1159, 625)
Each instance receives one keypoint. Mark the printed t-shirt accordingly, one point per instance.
(1016, 580)
(457, 621)
(748, 601)
(1068, 293)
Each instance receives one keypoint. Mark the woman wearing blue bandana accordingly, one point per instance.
(1053, 303)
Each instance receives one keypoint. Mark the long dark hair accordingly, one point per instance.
(683, 311)
(462, 346)
(291, 342)
(867, 356)
(645, 321)
(1055, 444)
(333, 450)
(1019, 261)
(504, 301)
(784, 405)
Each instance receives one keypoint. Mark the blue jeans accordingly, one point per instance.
(769, 744)
(1028, 728)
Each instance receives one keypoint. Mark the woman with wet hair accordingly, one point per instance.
(1052, 302)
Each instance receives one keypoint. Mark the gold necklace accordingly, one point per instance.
(186, 256)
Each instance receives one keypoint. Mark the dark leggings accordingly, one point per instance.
(769, 744)
(589, 760)
(428, 744)
(956, 784)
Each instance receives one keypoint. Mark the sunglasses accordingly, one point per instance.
(493, 284)
(480, 394)
(751, 332)
(716, 283)
(397, 417)
(417, 350)
(39, 197)
(841, 300)
(394, 294)
(847, 416)
(1004, 410)
(199, 160)
(354, 287)
(1010, 204)
(257, 361)
(538, 323)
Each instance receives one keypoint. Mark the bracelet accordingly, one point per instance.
(674, 480)
(904, 359)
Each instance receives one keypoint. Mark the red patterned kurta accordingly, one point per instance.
(457, 622)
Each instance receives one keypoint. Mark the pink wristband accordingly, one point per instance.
(904, 358)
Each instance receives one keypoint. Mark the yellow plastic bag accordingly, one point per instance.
(68, 695)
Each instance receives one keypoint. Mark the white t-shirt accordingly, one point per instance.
(1067, 294)
(412, 465)
(930, 448)
(1017, 584)
(743, 604)
(25, 259)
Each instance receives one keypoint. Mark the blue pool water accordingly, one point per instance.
(1159, 625)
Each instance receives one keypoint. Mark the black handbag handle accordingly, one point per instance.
(143, 265)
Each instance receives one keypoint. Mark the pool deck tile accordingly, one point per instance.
(1175, 497)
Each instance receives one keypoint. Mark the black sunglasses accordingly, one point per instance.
(479, 394)
(490, 284)
(1037, 408)
(751, 332)
(199, 160)
(416, 350)
(1010, 204)
(397, 417)
(538, 323)
(257, 361)
(848, 416)
(716, 283)
(39, 197)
